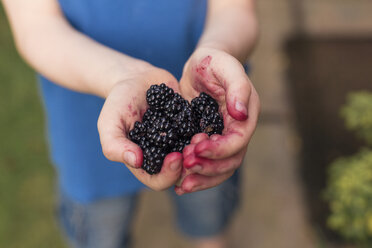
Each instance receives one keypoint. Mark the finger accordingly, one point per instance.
(198, 138)
(188, 150)
(115, 145)
(223, 146)
(196, 182)
(236, 84)
(179, 190)
(169, 174)
(195, 140)
(184, 174)
(209, 167)
(235, 139)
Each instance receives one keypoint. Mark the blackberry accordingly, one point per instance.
(180, 144)
(153, 160)
(203, 103)
(170, 122)
(151, 115)
(184, 122)
(205, 108)
(211, 124)
(138, 132)
(158, 95)
(175, 105)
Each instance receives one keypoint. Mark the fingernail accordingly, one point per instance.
(130, 158)
(240, 107)
(179, 190)
(196, 168)
(175, 166)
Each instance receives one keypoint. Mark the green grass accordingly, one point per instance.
(26, 174)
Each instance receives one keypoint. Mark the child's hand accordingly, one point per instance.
(211, 160)
(126, 104)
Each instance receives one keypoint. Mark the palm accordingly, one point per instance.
(124, 106)
(211, 160)
(199, 77)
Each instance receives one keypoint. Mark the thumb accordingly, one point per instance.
(115, 145)
(121, 149)
(168, 176)
(237, 86)
(238, 91)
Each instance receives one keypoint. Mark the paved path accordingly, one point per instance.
(272, 213)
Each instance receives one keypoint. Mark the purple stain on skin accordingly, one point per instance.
(205, 79)
(200, 73)
(132, 112)
(200, 69)
(207, 146)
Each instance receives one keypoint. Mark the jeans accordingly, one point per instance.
(106, 223)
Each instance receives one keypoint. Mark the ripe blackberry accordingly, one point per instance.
(151, 115)
(138, 132)
(211, 124)
(203, 103)
(175, 105)
(180, 144)
(205, 108)
(158, 95)
(184, 122)
(153, 160)
(170, 122)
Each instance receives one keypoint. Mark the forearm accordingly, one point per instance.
(75, 61)
(231, 26)
(56, 50)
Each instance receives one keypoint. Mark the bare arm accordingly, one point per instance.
(50, 45)
(231, 26)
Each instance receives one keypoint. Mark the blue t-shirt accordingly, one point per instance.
(162, 32)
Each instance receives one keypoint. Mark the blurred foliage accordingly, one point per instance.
(350, 195)
(26, 175)
(349, 189)
(358, 114)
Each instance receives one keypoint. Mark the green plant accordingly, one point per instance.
(358, 114)
(349, 190)
(350, 196)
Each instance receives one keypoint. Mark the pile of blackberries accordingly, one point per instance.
(170, 122)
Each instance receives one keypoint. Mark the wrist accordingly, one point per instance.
(143, 75)
(214, 46)
(238, 54)
(126, 73)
